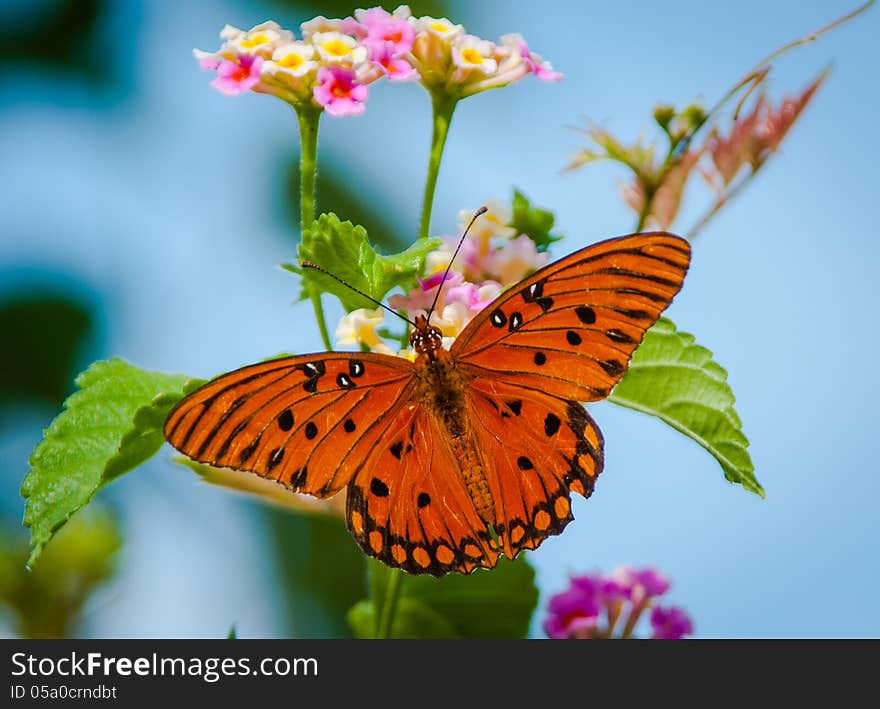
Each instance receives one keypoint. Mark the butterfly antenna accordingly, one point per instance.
(481, 211)
(310, 264)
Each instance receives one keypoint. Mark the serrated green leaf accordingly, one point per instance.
(534, 222)
(673, 378)
(344, 250)
(112, 423)
(488, 603)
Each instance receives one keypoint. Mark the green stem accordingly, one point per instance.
(443, 107)
(308, 167)
(385, 621)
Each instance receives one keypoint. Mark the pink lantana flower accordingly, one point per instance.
(393, 65)
(518, 258)
(390, 29)
(458, 64)
(339, 92)
(534, 63)
(670, 623)
(237, 76)
(594, 606)
(421, 297)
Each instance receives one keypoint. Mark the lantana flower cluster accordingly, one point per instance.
(596, 606)
(332, 63)
(492, 257)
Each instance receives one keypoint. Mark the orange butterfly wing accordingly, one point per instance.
(409, 506)
(570, 328)
(562, 336)
(307, 422)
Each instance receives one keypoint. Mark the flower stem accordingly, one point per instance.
(385, 621)
(633, 619)
(308, 164)
(308, 167)
(442, 107)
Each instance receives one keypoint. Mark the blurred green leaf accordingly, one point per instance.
(46, 601)
(108, 426)
(534, 222)
(322, 572)
(344, 250)
(676, 380)
(43, 334)
(488, 603)
(412, 620)
(63, 34)
(341, 8)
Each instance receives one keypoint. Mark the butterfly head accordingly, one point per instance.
(425, 339)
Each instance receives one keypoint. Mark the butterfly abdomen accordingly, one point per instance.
(442, 388)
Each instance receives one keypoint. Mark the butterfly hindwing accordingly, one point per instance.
(538, 449)
(571, 327)
(409, 507)
(307, 422)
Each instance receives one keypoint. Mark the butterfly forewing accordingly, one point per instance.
(308, 422)
(571, 328)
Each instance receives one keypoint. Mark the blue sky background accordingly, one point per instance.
(160, 200)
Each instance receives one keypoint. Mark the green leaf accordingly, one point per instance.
(412, 620)
(534, 222)
(344, 250)
(488, 603)
(677, 381)
(110, 425)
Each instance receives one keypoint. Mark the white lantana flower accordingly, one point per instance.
(470, 53)
(338, 48)
(359, 327)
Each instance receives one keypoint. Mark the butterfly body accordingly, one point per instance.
(464, 454)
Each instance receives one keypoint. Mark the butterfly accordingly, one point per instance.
(464, 454)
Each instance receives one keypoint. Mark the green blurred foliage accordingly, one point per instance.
(48, 330)
(487, 603)
(321, 569)
(342, 8)
(46, 602)
(59, 34)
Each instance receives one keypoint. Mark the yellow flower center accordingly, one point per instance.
(336, 48)
(291, 61)
(471, 56)
(438, 27)
(255, 41)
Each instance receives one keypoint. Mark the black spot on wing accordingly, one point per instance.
(585, 314)
(612, 367)
(551, 424)
(285, 420)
